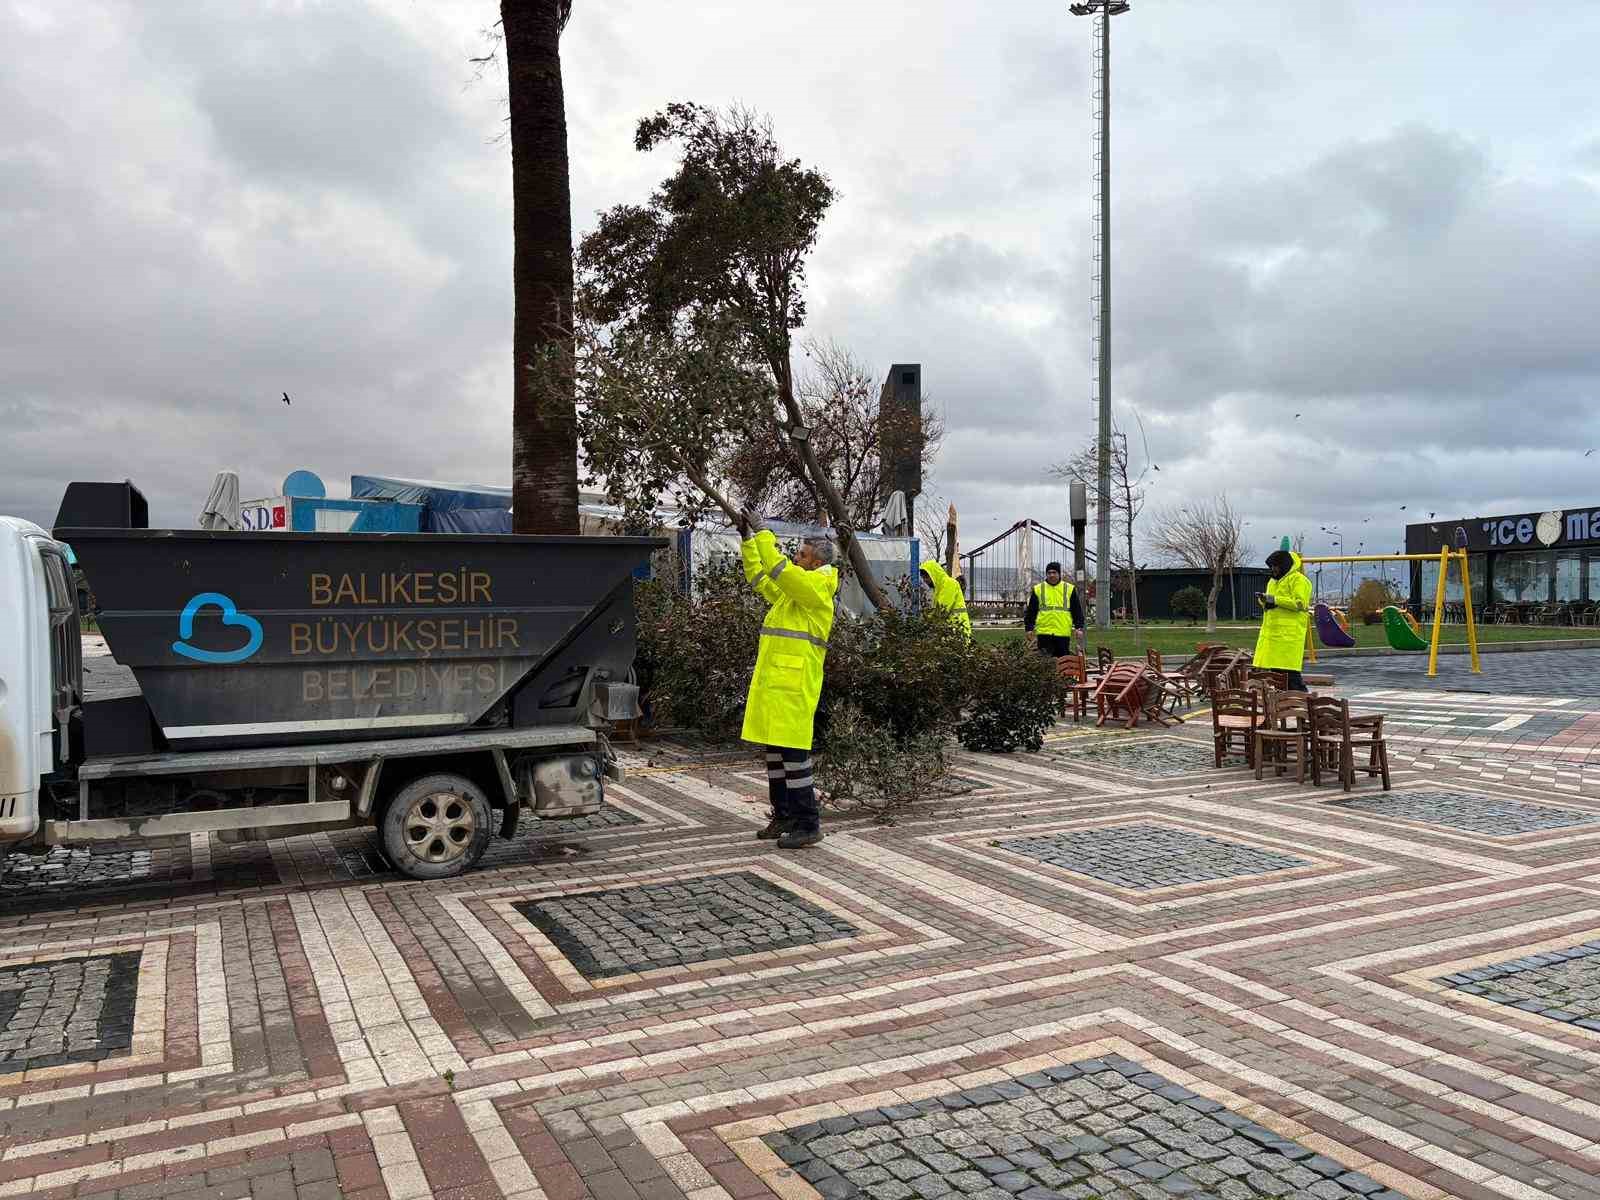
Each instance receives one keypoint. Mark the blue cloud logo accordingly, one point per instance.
(230, 616)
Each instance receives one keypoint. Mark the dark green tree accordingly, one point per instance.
(719, 250)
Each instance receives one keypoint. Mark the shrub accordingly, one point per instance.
(1013, 694)
(906, 672)
(696, 656)
(1371, 598)
(868, 768)
(1189, 603)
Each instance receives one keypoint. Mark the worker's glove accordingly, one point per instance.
(753, 523)
(1269, 602)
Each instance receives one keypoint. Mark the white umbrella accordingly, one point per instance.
(221, 509)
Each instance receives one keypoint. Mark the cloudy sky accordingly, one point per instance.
(1357, 245)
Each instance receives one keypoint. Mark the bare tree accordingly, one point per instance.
(1207, 535)
(1128, 491)
(839, 400)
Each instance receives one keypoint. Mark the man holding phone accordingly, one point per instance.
(1285, 617)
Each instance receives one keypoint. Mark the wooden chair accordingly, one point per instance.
(1072, 670)
(1336, 736)
(1161, 698)
(1287, 724)
(1121, 690)
(1226, 671)
(1235, 715)
(1179, 681)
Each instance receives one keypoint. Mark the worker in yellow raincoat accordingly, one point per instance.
(782, 703)
(947, 594)
(1286, 611)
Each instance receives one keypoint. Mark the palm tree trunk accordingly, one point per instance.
(544, 439)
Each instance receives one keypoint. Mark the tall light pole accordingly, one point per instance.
(1103, 11)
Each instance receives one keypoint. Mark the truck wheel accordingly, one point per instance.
(436, 827)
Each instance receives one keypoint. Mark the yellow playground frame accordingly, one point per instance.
(1444, 558)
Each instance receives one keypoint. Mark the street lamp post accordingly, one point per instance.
(1103, 11)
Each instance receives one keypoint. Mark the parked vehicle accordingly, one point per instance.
(431, 686)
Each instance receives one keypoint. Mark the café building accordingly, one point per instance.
(1526, 568)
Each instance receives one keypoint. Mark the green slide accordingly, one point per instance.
(1399, 630)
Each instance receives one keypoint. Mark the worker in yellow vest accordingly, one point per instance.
(1054, 611)
(780, 709)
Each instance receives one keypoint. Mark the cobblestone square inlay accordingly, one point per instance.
(1100, 1129)
(1166, 758)
(1148, 856)
(67, 1010)
(624, 930)
(1477, 814)
(1563, 985)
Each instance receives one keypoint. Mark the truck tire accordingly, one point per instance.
(436, 827)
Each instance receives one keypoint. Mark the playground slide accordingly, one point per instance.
(1328, 629)
(1401, 635)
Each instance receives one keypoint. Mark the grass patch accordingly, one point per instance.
(1181, 639)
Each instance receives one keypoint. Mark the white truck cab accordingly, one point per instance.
(40, 649)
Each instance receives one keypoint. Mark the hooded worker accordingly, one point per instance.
(947, 595)
(1286, 611)
(781, 707)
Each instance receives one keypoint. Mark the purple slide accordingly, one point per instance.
(1328, 630)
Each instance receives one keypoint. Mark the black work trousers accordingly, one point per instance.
(1054, 645)
(790, 789)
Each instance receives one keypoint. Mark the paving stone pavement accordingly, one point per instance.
(1104, 971)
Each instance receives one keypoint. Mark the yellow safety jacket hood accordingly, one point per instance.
(1281, 645)
(782, 702)
(947, 594)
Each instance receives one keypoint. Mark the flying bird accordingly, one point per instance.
(1432, 515)
(1402, 508)
(1586, 453)
(1157, 468)
(286, 397)
(1297, 416)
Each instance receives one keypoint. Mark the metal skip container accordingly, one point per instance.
(247, 638)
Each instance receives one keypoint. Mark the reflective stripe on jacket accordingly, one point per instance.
(1281, 645)
(1055, 609)
(947, 594)
(794, 644)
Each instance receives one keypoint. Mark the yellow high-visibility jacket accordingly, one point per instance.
(947, 594)
(794, 644)
(1055, 609)
(1281, 645)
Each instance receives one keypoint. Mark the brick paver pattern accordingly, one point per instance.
(1477, 814)
(1149, 856)
(1563, 985)
(1108, 971)
(1092, 1130)
(623, 930)
(67, 1010)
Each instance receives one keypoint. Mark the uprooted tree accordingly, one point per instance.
(841, 403)
(686, 310)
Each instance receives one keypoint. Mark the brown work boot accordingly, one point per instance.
(774, 829)
(799, 839)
